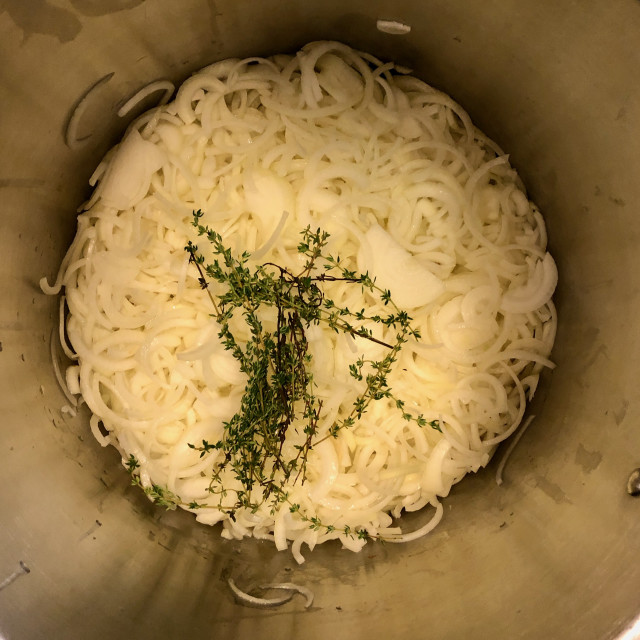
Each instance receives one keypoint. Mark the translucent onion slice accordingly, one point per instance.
(411, 284)
(129, 175)
(262, 603)
(537, 292)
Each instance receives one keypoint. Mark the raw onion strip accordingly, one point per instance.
(408, 189)
(290, 586)
(510, 448)
(71, 132)
(73, 401)
(262, 603)
(159, 85)
(422, 531)
(268, 245)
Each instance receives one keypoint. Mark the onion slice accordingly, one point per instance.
(261, 603)
(129, 175)
(290, 586)
(536, 292)
(141, 94)
(71, 132)
(509, 451)
(411, 284)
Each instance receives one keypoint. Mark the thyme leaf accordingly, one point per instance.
(263, 312)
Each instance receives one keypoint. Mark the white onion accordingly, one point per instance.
(254, 601)
(141, 94)
(409, 191)
(393, 27)
(536, 292)
(71, 132)
(129, 175)
(393, 268)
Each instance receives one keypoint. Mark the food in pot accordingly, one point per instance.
(306, 296)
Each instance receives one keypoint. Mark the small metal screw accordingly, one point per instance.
(633, 483)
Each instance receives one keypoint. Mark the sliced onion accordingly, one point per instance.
(536, 292)
(58, 372)
(419, 533)
(290, 586)
(393, 27)
(512, 446)
(71, 133)
(268, 245)
(432, 480)
(129, 175)
(263, 603)
(141, 94)
(411, 284)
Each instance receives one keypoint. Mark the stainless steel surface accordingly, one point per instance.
(552, 553)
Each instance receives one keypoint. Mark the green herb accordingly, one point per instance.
(274, 355)
(132, 464)
(316, 525)
(157, 494)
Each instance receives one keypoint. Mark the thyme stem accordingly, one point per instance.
(279, 394)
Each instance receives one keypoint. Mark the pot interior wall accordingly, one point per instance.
(551, 552)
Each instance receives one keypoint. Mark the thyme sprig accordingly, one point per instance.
(156, 493)
(263, 312)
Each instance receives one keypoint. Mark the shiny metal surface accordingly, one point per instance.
(552, 553)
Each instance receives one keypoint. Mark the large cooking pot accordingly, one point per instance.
(551, 553)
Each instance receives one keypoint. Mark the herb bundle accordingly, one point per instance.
(275, 308)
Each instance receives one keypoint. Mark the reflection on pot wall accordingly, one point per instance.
(549, 553)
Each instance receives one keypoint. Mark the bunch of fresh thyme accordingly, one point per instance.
(279, 393)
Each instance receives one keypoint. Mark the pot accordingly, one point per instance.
(550, 553)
